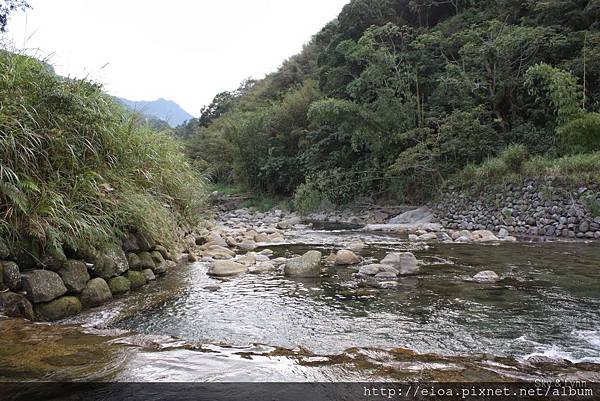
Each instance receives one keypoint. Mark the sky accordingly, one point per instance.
(182, 50)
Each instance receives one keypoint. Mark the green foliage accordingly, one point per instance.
(76, 168)
(394, 97)
(515, 157)
(561, 87)
(582, 134)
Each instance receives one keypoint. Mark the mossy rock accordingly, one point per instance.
(134, 261)
(146, 261)
(95, 293)
(58, 309)
(136, 278)
(119, 285)
(149, 274)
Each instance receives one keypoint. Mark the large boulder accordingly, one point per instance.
(218, 252)
(75, 275)
(16, 305)
(119, 285)
(58, 309)
(405, 262)
(146, 261)
(10, 276)
(137, 279)
(421, 215)
(134, 261)
(95, 293)
(109, 263)
(42, 285)
(346, 257)
(222, 268)
(484, 236)
(307, 265)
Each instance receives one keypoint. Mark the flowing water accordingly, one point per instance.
(438, 325)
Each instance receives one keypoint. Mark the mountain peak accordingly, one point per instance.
(164, 109)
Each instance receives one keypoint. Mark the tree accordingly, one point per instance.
(7, 7)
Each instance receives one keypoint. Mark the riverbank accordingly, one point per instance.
(360, 313)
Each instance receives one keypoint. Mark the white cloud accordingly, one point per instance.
(186, 51)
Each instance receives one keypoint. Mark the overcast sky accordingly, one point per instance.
(183, 50)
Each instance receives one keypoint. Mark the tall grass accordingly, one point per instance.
(76, 168)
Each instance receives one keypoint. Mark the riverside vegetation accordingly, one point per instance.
(396, 98)
(82, 181)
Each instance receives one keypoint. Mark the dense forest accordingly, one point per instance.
(394, 98)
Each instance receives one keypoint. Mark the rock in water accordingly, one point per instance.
(43, 285)
(484, 236)
(58, 309)
(405, 262)
(346, 257)
(75, 275)
(356, 246)
(370, 270)
(487, 276)
(95, 293)
(307, 265)
(223, 268)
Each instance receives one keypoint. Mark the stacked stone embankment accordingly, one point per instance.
(534, 208)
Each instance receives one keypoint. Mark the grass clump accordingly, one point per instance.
(76, 168)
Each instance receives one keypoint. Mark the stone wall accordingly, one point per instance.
(533, 208)
(55, 288)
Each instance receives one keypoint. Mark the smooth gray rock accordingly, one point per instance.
(405, 262)
(223, 268)
(346, 257)
(307, 265)
(487, 276)
(421, 215)
(371, 270)
(42, 285)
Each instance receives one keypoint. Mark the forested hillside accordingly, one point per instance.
(394, 97)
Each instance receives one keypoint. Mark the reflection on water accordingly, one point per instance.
(549, 299)
(329, 329)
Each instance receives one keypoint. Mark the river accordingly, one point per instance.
(438, 325)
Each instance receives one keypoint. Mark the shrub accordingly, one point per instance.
(76, 168)
(514, 157)
(306, 198)
(582, 134)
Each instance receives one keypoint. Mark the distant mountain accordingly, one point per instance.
(163, 109)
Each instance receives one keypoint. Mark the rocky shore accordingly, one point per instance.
(60, 286)
(534, 208)
(239, 244)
